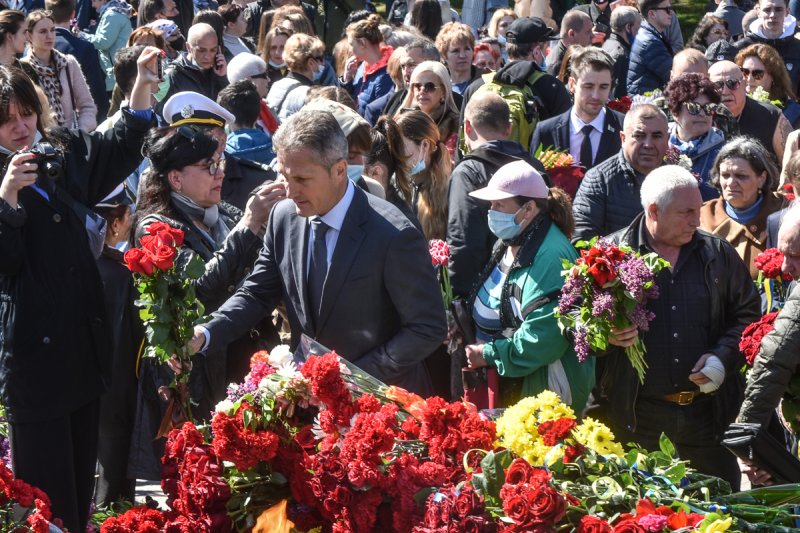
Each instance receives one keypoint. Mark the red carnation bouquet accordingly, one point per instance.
(169, 309)
(561, 168)
(23, 507)
(750, 342)
(623, 105)
(772, 281)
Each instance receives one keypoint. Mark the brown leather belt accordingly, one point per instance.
(682, 398)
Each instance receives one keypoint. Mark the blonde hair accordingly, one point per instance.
(440, 71)
(368, 28)
(299, 48)
(494, 22)
(417, 126)
(452, 33)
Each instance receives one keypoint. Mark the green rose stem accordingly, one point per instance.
(635, 355)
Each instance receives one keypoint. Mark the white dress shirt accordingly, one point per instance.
(576, 135)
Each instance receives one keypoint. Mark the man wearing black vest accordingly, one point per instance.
(760, 120)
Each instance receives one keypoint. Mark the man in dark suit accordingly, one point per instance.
(84, 52)
(351, 269)
(588, 130)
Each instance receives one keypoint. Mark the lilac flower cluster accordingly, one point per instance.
(581, 343)
(603, 304)
(571, 293)
(635, 275)
(641, 317)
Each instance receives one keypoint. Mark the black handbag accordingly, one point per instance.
(753, 444)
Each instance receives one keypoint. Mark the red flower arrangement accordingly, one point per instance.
(564, 173)
(622, 105)
(529, 500)
(245, 445)
(750, 342)
(555, 431)
(15, 492)
(139, 519)
(455, 510)
(769, 262)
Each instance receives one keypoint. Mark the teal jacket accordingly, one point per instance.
(111, 34)
(538, 342)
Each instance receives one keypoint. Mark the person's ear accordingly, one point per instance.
(652, 212)
(340, 168)
(174, 180)
(571, 84)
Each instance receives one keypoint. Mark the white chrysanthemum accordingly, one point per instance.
(288, 370)
(280, 355)
(225, 406)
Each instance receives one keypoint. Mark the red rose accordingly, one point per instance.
(593, 524)
(518, 472)
(162, 255)
(466, 503)
(138, 261)
(547, 505)
(166, 232)
(517, 509)
(628, 524)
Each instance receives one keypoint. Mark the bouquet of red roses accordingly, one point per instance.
(771, 279)
(168, 307)
(561, 168)
(608, 287)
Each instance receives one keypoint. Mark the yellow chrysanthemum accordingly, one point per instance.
(596, 436)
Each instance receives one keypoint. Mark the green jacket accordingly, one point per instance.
(538, 342)
(111, 34)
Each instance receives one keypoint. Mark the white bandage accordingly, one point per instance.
(715, 371)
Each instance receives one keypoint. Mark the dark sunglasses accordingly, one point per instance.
(428, 87)
(262, 76)
(729, 83)
(668, 9)
(694, 108)
(756, 73)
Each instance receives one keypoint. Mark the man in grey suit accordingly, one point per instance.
(351, 269)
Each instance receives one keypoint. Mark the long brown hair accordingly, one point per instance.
(417, 126)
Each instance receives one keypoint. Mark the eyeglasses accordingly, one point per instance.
(262, 76)
(694, 108)
(213, 166)
(757, 74)
(729, 83)
(668, 9)
(428, 87)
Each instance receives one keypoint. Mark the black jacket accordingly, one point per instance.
(242, 177)
(600, 19)
(620, 51)
(468, 232)
(607, 199)
(555, 132)
(55, 338)
(734, 305)
(184, 76)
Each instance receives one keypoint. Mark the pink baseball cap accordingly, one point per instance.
(514, 179)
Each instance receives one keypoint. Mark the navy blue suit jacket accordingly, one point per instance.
(86, 54)
(381, 305)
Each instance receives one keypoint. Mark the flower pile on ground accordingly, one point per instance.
(314, 449)
(23, 507)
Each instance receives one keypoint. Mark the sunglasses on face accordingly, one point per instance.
(428, 87)
(757, 74)
(694, 108)
(729, 83)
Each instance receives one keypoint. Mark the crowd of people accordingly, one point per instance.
(309, 153)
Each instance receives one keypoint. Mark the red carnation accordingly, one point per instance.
(571, 453)
(244, 447)
(770, 262)
(555, 431)
(750, 342)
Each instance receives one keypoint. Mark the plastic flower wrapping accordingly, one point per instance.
(320, 446)
(608, 287)
(562, 169)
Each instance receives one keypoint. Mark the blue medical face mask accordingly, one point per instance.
(503, 225)
(419, 166)
(277, 65)
(354, 172)
(318, 72)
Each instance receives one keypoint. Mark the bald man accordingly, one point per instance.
(761, 120)
(201, 69)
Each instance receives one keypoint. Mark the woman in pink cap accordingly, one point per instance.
(513, 303)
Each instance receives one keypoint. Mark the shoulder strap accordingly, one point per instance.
(286, 94)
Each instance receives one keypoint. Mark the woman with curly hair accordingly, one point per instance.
(709, 30)
(763, 67)
(692, 99)
(422, 175)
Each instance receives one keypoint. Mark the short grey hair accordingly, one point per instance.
(752, 151)
(658, 187)
(622, 16)
(426, 47)
(316, 131)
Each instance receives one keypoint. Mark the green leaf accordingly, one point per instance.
(422, 495)
(493, 467)
(157, 333)
(195, 267)
(666, 445)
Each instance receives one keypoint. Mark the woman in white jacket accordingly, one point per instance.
(60, 76)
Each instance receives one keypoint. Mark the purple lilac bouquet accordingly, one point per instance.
(608, 287)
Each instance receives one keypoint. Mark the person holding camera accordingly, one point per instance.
(56, 344)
